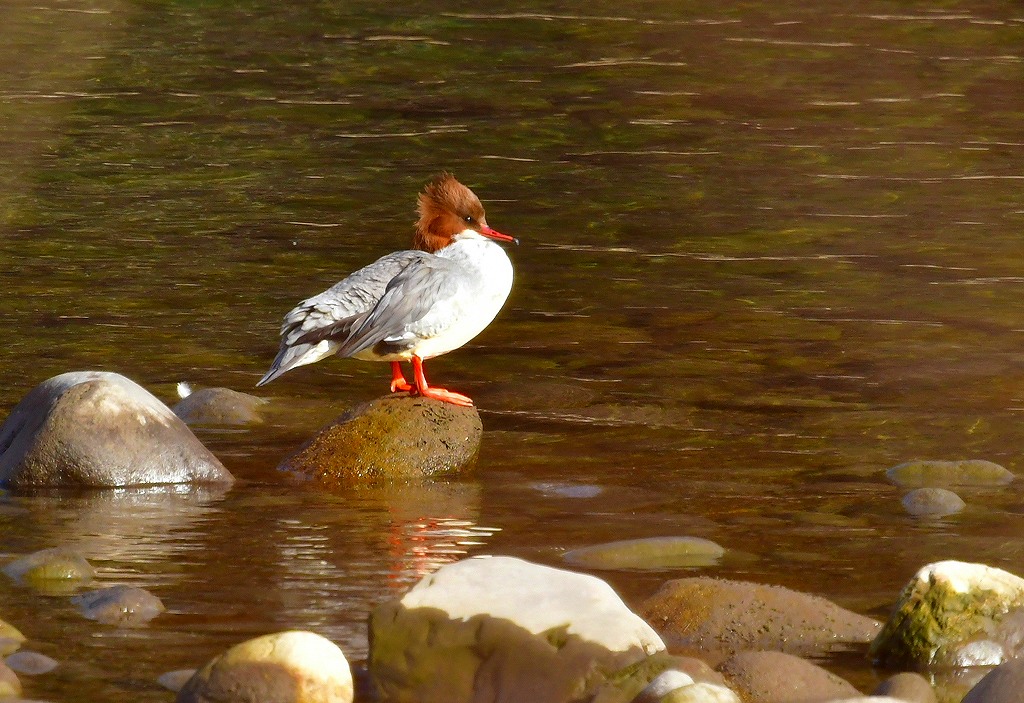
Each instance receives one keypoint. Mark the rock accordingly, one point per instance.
(649, 553)
(1001, 685)
(31, 663)
(124, 606)
(10, 686)
(955, 614)
(701, 693)
(55, 571)
(499, 624)
(965, 472)
(392, 439)
(707, 614)
(868, 699)
(908, 687)
(284, 667)
(175, 680)
(663, 684)
(932, 502)
(220, 406)
(782, 678)
(10, 638)
(93, 428)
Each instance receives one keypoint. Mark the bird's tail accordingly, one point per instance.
(299, 355)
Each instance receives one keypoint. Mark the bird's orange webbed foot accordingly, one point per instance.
(398, 382)
(446, 396)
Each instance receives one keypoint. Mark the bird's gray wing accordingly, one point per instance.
(334, 313)
(422, 289)
(346, 300)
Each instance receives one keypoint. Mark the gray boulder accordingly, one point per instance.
(99, 429)
(932, 502)
(719, 615)
(503, 629)
(394, 439)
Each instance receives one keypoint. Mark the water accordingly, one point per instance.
(769, 250)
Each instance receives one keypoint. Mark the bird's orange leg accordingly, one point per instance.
(436, 393)
(398, 382)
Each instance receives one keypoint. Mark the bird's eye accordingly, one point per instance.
(468, 219)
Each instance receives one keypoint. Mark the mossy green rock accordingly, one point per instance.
(500, 628)
(965, 472)
(394, 439)
(953, 614)
(647, 553)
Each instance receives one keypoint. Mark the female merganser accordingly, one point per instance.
(411, 305)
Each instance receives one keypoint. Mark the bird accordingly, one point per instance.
(411, 305)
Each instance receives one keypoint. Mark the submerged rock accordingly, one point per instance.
(124, 606)
(500, 628)
(394, 439)
(954, 614)
(932, 502)
(965, 472)
(649, 553)
(783, 678)
(56, 571)
(284, 667)
(702, 613)
(31, 663)
(93, 428)
(220, 406)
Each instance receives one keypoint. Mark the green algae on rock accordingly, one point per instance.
(647, 553)
(55, 571)
(938, 473)
(951, 614)
(394, 439)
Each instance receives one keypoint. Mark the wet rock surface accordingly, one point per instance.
(500, 624)
(707, 614)
(124, 606)
(951, 614)
(99, 429)
(775, 677)
(932, 502)
(283, 667)
(220, 407)
(31, 663)
(1004, 684)
(391, 439)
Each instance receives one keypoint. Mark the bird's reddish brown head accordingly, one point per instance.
(446, 208)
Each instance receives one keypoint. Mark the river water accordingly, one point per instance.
(768, 251)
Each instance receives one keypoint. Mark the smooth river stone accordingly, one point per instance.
(56, 571)
(782, 678)
(394, 439)
(1004, 684)
(965, 472)
(719, 615)
(31, 663)
(907, 686)
(932, 502)
(648, 553)
(124, 606)
(501, 628)
(220, 407)
(10, 638)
